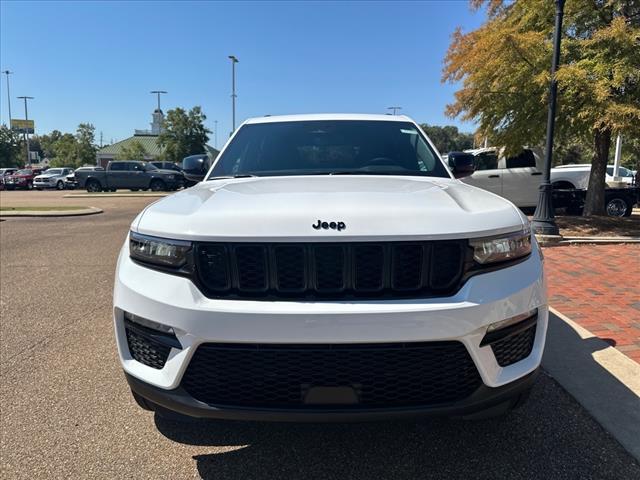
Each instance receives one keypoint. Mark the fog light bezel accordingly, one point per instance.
(156, 331)
(510, 326)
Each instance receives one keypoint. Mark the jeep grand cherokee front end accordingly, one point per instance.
(330, 267)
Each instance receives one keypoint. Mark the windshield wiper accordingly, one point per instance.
(242, 175)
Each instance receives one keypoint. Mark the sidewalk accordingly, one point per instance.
(598, 287)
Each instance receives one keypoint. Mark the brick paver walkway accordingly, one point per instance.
(598, 286)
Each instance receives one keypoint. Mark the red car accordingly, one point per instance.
(21, 179)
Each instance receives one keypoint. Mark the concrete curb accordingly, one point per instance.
(548, 240)
(602, 379)
(113, 195)
(598, 240)
(51, 213)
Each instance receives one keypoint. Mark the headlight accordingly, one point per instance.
(502, 248)
(159, 251)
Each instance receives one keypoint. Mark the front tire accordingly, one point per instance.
(617, 207)
(29, 186)
(93, 186)
(60, 185)
(157, 185)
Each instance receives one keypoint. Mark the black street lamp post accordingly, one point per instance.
(543, 220)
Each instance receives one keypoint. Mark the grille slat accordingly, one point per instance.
(380, 375)
(328, 270)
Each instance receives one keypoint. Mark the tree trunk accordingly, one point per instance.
(594, 203)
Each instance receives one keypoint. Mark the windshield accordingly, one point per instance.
(329, 147)
(23, 172)
(622, 172)
(54, 171)
(150, 166)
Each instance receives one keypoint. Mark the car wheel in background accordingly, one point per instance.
(617, 207)
(60, 185)
(29, 186)
(93, 186)
(563, 185)
(157, 185)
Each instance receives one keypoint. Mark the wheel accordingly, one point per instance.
(563, 185)
(575, 210)
(29, 186)
(93, 186)
(60, 185)
(135, 189)
(157, 185)
(39, 189)
(617, 207)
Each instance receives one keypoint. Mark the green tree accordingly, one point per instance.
(11, 148)
(65, 152)
(504, 69)
(86, 148)
(47, 143)
(448, 138)
(184, 134)
(133, 151)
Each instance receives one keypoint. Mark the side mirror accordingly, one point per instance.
(461, 164)
(195, 167)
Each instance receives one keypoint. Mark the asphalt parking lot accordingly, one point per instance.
(66, 411)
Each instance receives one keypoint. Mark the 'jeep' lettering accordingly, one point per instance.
(329, 225)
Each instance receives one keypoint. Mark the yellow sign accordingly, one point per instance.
(22, 125)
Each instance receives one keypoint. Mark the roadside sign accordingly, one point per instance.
(22, 126)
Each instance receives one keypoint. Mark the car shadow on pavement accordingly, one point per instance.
(549, 437)
(601, 378)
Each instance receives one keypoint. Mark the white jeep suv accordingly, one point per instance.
(330, 267)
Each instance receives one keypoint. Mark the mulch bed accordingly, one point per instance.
(599, 226)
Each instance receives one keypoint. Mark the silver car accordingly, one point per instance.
(52, 178)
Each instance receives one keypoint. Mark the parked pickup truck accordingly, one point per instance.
(128, 174)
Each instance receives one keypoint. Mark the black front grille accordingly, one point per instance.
(377, 375)
(514, 348)
(325, 270)
(144, 348)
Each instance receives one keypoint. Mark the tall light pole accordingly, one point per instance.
(7, 73)
(543, 220)
(215, 134)
(158, 92)
(234, 60)
(26, 130)
(394, 109)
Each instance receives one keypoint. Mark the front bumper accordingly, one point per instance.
(464, 317)
(178, 400)
(44, 184)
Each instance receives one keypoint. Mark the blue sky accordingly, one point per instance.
(97, 61)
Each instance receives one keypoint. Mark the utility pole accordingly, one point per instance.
(394, 109)
(26, 130)
(543, 220)
(215, 134)
(7, 73)
(234, 60)
(100, 138)
(158, 92)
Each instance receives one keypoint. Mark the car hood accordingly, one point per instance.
(166, 171)
(45, 177)
(371, 208)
